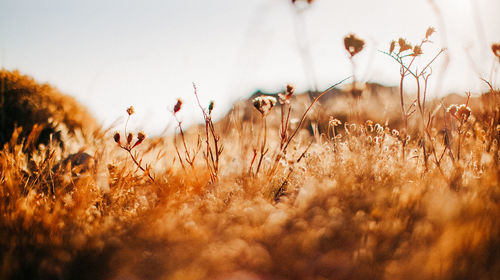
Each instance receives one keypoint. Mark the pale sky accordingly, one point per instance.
(113, 54)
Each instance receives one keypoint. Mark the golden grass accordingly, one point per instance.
(340, 202)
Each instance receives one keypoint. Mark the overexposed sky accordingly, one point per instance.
(113, 54)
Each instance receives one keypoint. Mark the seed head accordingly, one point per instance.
(417, 50)
(452, 109)
(116, 137)
(392, 46)
(264, 104)
(178, 106)
(285, 97)
(130, 110)
(403, 45)
(463, 112)
(353, 44)
(429, 32)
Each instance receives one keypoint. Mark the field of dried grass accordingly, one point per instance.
(351, 190)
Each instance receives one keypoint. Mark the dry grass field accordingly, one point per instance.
(345, 185)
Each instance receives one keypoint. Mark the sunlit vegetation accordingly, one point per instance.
(359, 181)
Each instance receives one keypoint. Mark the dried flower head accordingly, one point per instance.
(496, 50)
(178, 105)
(392, 46)
(210, 107)
(452, 109)
(130, 136)
(463, 112)
(116, 137)
(353, 44)
(130, 110)
(140, 137)
(264, 104)
(417, 50)
(403, 45)
(429, 32)
(285, 97)
(369, 123)
(289, 89)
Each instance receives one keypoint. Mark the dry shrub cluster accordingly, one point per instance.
(327, 195)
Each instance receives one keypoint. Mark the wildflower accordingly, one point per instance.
(130, 110)
(116, 137)
(264, 104)
(429, 32)
(379, 129)
(369, 123)
(403, 45)
(353, 44)
(496, 50)
(395, 133)
(178, 105)
(463, 112)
